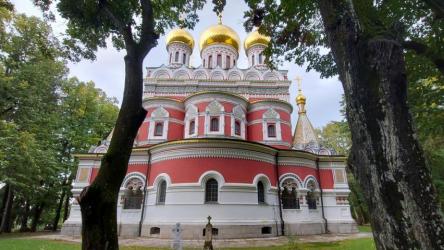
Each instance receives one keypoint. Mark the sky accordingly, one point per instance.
(107, 71)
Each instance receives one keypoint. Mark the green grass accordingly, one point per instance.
(37, 244)
(365, 229)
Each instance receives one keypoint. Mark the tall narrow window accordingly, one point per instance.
(161, 193)
(260, 58)
(176, 57)
(289, 198)
(227, 62)
(214, 124)
(184, 58)
(210, 62)
(219, 60)
(171, 55)
(158, 129)
(191, 129)
(260, 193)
(211, 190)
(252, 60)
(271, 130)
(237, 127)
(204, 63)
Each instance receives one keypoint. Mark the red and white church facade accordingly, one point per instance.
(217, 140)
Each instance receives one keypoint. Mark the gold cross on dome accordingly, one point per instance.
(299, 81)
(219, 18)
(209, 218)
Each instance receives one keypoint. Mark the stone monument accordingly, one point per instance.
(177, 241)
(208, 235)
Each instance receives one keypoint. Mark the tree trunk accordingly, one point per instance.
(98, 202)
(55, 223)
(4, 199)
(24, 220)
(385, 158)
(5, 226)
(66, 206)
(37, 212)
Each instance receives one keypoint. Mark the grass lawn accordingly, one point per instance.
(366, 229)
(37, 244)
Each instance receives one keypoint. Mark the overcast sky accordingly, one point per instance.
(107, 71)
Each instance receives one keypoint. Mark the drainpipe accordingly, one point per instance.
(322, 200)
(279, 194)
(147, 177)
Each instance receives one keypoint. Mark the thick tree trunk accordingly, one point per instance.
(6, 223)
(55, 223)
(4, 199)
(24, 220)
(386, 158)
(36, 214)
(98, 202)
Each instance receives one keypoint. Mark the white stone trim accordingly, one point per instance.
(131, 175)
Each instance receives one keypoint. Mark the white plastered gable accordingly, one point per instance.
(159, 115)
(190, 115)
(239, 115)
(271, 117)
(213, 109)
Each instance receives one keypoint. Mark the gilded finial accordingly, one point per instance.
(300, 98)
(219, 18)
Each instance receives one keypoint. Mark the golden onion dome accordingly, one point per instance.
(300, 98)
(181, 36)
(219, 33)
(255, 38)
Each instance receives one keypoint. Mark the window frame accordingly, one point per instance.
(156, 132)
(211, 191)
(161, 192)
(214, 118)
(274, 134)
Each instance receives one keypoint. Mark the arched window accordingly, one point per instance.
(214, 124)
(237, 127)
(211, 190)
(191, 129)
(210, 62)
(158, 129)
(176, 57)
(184, 58)
(227, 62)
(161, 192)
(252, 60)
(133, 195)
(271, 130)
(311, 197)
(219, 60)
(289, 195)
(260, 193)
(260, 58)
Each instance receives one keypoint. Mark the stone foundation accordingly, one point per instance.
(343, 227)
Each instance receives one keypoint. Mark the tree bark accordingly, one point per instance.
(98, 202)
(55, 223)
(66, 206)
(6, 223)
(37, 212)
(24, 220)
(4, 199)
(385, 158)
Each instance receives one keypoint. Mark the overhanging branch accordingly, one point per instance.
(147, 36)
(124, 29)
(424, 50)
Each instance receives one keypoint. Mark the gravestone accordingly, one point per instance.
(177, 234)
(208, 245)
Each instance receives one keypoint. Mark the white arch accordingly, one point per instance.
(162, 73)
(129, 176)
(160, 177)
(271, 114)
(215, 107)
(252, 75)
(211, 174)
(200, 74)
(265, 180)
(270, 76)
(311, 178)
(235, 74)
(293, 176)
(181, 74)
(160, 112)
(218, 74)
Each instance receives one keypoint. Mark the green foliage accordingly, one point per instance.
(336, 135)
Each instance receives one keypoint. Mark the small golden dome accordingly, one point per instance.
(219, 33)
(300, 98)
(181, 36)
(255, 38)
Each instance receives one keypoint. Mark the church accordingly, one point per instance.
(217, 141)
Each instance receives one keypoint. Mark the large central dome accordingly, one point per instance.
(219, 33)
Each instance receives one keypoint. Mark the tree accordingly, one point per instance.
(368, 55)
(134, 26)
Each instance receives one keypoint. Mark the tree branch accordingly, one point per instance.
(147, 37)
(424, 50)
(437, 6)
(125, 29)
